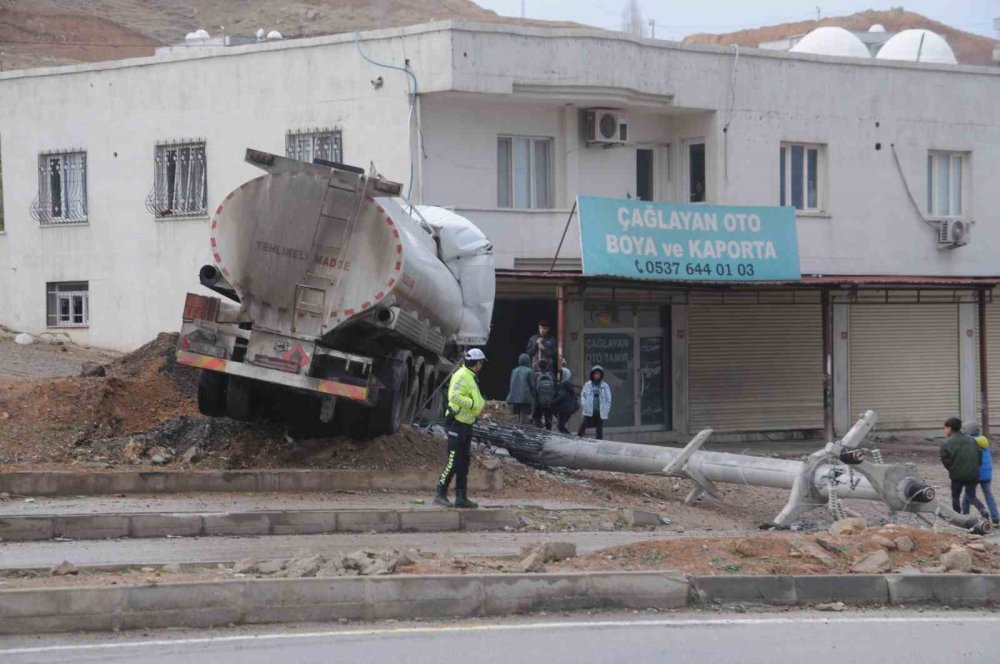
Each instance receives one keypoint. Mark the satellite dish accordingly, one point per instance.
(274, 34)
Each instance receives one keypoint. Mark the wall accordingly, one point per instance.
(139, 268)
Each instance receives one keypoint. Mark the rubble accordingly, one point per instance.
(64, 568)
(956, 559)
(92, 369)
(884, 542)
(904, 544)
(849, 526)
(877, 562)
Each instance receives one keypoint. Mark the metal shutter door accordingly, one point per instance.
(992, 358)
(755, 367)
(904, 364)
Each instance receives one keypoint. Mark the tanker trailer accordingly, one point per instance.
(336, 291)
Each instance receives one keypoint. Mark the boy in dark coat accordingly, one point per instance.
(961, 457)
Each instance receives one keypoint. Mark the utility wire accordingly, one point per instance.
(906, 186)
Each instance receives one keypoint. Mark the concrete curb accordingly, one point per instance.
(249, 602)
(69, 483)
(282, 522)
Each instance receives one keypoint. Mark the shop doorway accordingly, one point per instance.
(514, 321)
(632, 345)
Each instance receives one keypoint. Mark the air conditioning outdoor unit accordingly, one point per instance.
(607, 126)
(954, 232)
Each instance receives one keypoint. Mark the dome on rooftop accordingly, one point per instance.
(878, 27)
(832, 40)
(918, 46)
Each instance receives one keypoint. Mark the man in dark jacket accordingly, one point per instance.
(522, 389)
(567, 399)
(541, 346)
(960, 455)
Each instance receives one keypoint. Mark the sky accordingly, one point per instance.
(677, 18)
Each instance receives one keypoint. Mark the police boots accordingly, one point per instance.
(462, 501)
(442, 497)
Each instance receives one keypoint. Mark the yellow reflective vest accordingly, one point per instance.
(464, 398)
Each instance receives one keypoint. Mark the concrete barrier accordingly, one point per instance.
(68, 483)
(407, 597)
(283, 522)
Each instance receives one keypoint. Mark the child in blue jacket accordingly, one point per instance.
(985, 472)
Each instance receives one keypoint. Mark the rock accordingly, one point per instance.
(24, 339)
(976, 546)
(92, 370)
(299, 568)
(191, 454)
(550, 551)
(909, 571)
(904, 544)
(270, 566)
(372, 563)
(640, 518)
(159, 460)
(331, 569)
(532, 563)
(4, 415)
(64, 568)
(133, 451)
(956, 559)
(877, 562)
(807, 548)
(831, 606)
(171, 568)
(884, 542)
(851, 526)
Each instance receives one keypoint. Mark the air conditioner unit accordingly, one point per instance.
(954, 232)
(607, 126)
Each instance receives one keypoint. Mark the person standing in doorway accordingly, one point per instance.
(567, 399)
(545, 395)
(465, 402)
(522, 389)
(595, 399)
(542, 346)
(973, 430)
(961, 457)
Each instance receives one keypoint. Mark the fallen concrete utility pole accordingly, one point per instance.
(839, 470)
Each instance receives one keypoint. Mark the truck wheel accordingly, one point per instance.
(238, 398)
(387, 415)
(212, 393)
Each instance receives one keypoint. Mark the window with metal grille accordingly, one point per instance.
(67, 304)
(944, 184)
(325, 144)
(180, 180)
(524, 172)
(800, 167)
(62, 188)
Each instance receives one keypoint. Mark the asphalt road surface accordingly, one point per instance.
(776, 638)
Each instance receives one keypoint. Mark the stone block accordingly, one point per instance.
(431, 520)
(362, 521)
(770, 590)
(26, 528)
(303, 523)
(247, 523)
(847, 588)
(161, 525)
(641, 519)
(92, 526)
(305, 600)
(489, 519)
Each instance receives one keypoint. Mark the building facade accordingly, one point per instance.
(111, 173)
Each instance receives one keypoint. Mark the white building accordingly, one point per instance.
(111, 172)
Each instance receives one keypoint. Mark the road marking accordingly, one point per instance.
(418, 631)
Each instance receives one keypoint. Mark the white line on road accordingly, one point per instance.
(416, 631)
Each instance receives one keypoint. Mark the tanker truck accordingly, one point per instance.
(337, 295)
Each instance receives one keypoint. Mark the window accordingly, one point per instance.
(180, 180)
(524, 172)
(62, 188)
(696, 180)
(944, 184)
(68, 304)
(644, 174)
(801, 180)
(325, 144)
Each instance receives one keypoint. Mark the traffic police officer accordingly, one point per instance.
(465, 402)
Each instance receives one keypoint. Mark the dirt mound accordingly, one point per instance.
(158, 355)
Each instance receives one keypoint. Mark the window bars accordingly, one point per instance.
(62, 188)
(180, 181)
(326, 144)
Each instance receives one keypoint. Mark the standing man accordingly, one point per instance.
(465, 402)
(541, 346)
(961, 456)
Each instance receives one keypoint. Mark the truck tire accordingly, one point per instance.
(212, 393)
(387, 415)
(238, 400)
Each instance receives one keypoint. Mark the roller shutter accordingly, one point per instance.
(992, 357)
(904, 364)
(755, 367)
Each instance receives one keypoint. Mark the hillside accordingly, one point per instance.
(970, 49)
(45, 32)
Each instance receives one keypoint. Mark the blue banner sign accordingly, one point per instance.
(684, 242)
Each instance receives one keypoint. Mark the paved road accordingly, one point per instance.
(225, 549)
(792, 638)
